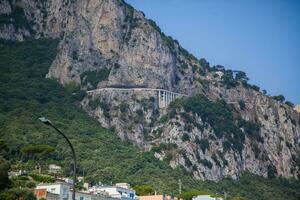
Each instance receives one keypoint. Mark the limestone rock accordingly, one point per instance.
(105, 43)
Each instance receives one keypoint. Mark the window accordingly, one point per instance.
(131, 195)
(65, 192)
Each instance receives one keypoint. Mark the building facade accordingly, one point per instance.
(119, 191)
(206, 197)
(54, 169)
(44, 194)
(157, 197)
(297, 108)
(61, 189)
(85, 195)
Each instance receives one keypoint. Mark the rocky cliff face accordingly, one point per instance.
(107, 43)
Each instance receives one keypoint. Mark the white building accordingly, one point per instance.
(60, 188)
(297, 108)
(64, 192)
(206, 197)
(67, 180)
(54, 169)
(119, 191)
(16, 173)
(80, 195)
(123, 185)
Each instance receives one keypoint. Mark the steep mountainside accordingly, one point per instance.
(25, 95)
(223, 128)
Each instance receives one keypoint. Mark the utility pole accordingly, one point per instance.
(83, 175)
(179, 184)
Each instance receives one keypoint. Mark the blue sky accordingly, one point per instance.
(260, 37)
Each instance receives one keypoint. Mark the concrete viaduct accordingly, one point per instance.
(165, 97)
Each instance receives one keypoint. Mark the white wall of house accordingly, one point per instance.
(61, 189)
(115, 192)
(80, 196)
(89, 196)
(54, 168)
(206, 197)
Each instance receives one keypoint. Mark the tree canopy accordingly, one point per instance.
(144, 190)
(38, 152)
(280, 98)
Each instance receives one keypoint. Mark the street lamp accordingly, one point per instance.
(49, 123)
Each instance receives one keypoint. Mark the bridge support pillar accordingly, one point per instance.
(165, 98)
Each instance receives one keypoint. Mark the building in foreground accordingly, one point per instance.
(62, 189)
(157, 197)
(84, 195)
(119, 191)
(206, 197)
(44, 194)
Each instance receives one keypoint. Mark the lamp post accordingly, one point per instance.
(49, 123)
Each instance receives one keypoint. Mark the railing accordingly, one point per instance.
(134, 89)
(165, 97)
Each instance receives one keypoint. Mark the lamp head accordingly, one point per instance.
(45, 121)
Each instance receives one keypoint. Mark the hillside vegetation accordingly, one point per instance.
(25, 95)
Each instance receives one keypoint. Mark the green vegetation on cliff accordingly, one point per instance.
(25, 95)
(222, 117)
(17, 18)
